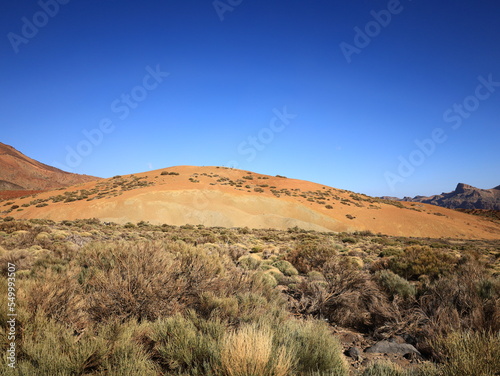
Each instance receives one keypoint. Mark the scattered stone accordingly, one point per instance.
(355, 353)
(387, 347)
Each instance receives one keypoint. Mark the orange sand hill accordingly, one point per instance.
(218, 196)
(19, 172)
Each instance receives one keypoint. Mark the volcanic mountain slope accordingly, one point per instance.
(464, 197)
(19, 172)
(218, 196)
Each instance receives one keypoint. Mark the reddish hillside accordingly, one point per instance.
(217, 196)
(19, 172)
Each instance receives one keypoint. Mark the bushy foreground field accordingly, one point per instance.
(104, 299)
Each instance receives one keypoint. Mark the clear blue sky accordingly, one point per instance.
(360, 100)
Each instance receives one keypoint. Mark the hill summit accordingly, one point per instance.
(219, 196)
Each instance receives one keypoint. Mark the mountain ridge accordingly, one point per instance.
(19, 172)
(464, 196)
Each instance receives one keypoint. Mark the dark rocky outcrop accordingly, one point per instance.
(388, 347)
(463, 197)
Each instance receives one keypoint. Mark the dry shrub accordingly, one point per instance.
(311, 255)
(10, 225)
(146, 280)
(57, 296)
(19, 239)
(469, 353)
(469, 299)
(235, 251)
(21, 258)
(245, 298)
(22, 235)
(125, 280)
(348, 297)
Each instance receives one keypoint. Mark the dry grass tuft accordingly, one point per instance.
(248, 351)
(469, 353)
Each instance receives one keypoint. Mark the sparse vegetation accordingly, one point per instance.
(469, 353)
(97, 298)
(395, 285)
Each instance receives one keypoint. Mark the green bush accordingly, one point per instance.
(313, 347)
(394, 284)
(188, 344)
(383, 368)
(268, 278)
(416, 261)
(249, 262)
(285, 267)
(391, 251)
(49, 348)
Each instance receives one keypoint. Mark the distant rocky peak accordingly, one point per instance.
(461, 188)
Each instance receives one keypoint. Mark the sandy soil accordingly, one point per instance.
(213, 198)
